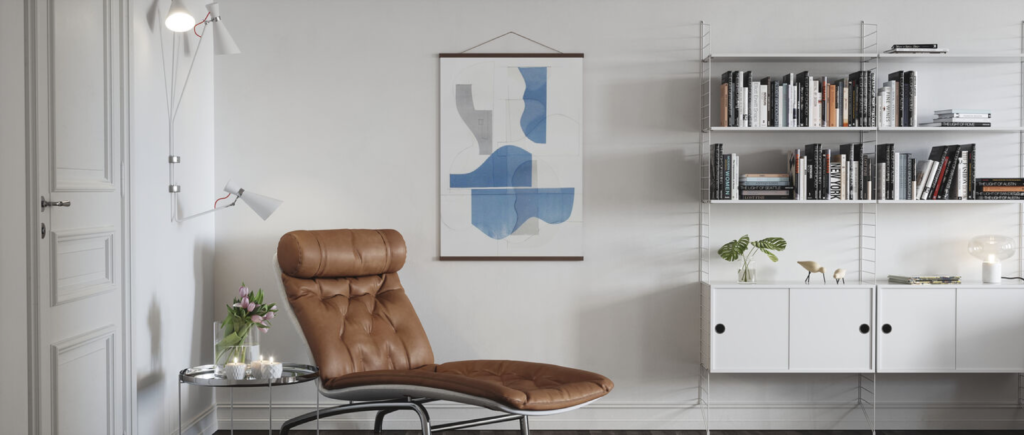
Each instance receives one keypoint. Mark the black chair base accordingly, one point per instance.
(386, 407)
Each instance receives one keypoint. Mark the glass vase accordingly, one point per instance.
(234, 346)
(747, 274)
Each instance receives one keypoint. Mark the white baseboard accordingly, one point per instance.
(672, 416)
(205, 423)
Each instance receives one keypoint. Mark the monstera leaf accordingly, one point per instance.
(769, 244)
(734, 249)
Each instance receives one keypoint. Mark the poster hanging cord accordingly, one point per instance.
(510, 33)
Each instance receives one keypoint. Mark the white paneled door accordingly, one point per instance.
(917, 331)
(750, 330)
(79, 78)
(830, 329)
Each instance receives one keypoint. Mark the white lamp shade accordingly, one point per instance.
(223, 43)
(262, 205)
(178, 18)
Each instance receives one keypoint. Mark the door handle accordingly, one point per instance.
(864, 328)
(886, 328)
(46, 203)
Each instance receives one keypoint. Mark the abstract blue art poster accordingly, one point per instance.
(511, 156)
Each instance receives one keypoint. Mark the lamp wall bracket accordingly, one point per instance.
(174, 159)
(174, 188)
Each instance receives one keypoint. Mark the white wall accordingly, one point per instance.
(332, 107)
(173, 263)
(13, 218)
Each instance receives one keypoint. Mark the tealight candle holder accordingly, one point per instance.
(235, 370)
(255, 368)
(271, 369)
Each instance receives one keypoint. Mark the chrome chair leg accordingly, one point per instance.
(524, 425)
(378, 421)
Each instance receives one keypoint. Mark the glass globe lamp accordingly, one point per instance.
(992, 250)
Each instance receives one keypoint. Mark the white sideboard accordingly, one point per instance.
(829, 328)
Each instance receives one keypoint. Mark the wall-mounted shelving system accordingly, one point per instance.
(734, 316)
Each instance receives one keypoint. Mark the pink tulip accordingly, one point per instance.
(264, 330)
(252, 306)
(243, 291)
(256, 319)
(245, 301)
(270, 315)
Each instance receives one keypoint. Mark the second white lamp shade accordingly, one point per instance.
(223, 43)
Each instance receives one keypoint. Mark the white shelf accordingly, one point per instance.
(953, 58)
(950, 201)
(951, 129)
(790, 201)
(792, 129)
(790, 57)
(796, 283)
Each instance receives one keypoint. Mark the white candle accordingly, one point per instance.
(271, 369)
(235, 370)
(255, 367)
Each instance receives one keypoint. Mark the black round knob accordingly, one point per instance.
(719, 328)
(864, 329)
(886, 328)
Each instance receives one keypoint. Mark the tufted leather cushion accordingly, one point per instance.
(351, 306)
(516, 384)
(344, 289)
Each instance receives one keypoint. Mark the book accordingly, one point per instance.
(948, 172)
(897, 78)
(957, 124)
(765, 197)
(987, 189)
(727, 176)
(766, 187)
(766, 192)
(910, 82)
(779, 176)
(916, 51)
(734, 181)
(803, 83)
(971, 174)
(982, 182)
(963, 116)
(924, 280)
(898, 46)
(813, 153)
(962, 175)
(763, 88)
(835, 182)
(963, 112)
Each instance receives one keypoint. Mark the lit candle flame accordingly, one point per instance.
(236, 360)
(271, 360)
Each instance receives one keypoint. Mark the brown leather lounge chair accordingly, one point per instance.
(343, 290)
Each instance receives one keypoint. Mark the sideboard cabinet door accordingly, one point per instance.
(916, 329)
(990, 329)
(831, 329)
(750, 330)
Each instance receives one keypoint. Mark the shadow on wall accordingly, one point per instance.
(153, 376)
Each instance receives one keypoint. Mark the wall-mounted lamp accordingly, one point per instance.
(263, 206)
(180, 20)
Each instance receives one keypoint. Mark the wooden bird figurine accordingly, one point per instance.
(840, 274)
(813, 267)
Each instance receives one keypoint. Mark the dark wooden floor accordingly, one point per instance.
(651, 432)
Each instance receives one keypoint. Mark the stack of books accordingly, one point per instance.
(797, 100)
(999, 188)
(765, 186)
(897, 98)
(948, 174)
(961, 118)
(724, 173)
(823, 174)
(924, 280)
(916, 49)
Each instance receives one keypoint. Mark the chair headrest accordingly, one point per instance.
(340, 253)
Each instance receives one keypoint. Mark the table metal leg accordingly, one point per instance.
(179, 407)
(231, 411)
(316, 392)
(270, 409)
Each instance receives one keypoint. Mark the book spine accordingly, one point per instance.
(912, 98)
(735, 194)
(961, 175)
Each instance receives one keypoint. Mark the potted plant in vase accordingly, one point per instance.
(234, 338)
(740, 249)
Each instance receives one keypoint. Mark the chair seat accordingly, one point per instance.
(518, 385)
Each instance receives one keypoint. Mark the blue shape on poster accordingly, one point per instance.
(509, 166)
(500, 212)
(535, 117)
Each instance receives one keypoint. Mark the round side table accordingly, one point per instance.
(205, 376)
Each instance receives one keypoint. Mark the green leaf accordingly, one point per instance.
(770, 255)
(772, 243)
(734, 249)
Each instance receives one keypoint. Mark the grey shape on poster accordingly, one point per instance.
(528, 228)
(478, 121)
